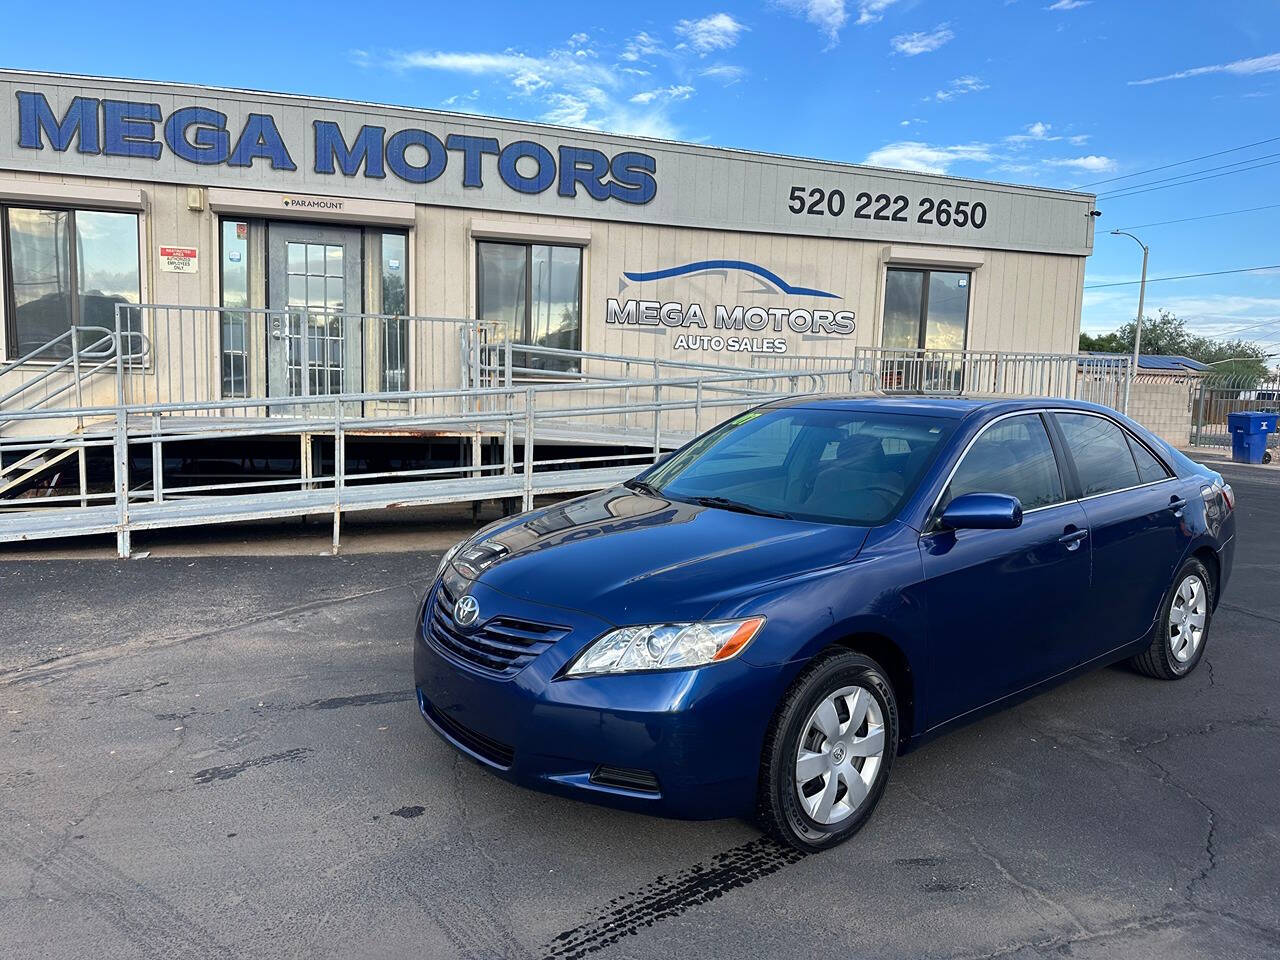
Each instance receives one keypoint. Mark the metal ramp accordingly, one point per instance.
(601, 419)
(204, 510)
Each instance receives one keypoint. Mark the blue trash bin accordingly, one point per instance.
(1249, 432)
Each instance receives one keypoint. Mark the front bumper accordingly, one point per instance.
(699, 732)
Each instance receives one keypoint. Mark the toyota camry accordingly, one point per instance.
(760, 623)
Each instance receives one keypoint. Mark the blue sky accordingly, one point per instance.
(1054, 92)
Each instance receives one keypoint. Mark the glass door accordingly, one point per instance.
(314, 337)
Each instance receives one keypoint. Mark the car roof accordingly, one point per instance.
(949, 407)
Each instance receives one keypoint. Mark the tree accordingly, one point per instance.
(1168, 334)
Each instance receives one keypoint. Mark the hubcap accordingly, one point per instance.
(1187, 618)
(841, 749)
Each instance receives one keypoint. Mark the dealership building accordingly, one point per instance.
(116, 191)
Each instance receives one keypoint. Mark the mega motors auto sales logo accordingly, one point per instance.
(739, 323)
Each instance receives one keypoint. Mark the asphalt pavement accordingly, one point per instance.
(220, 757)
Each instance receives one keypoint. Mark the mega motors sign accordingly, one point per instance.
(732, 327)
(141, 132)
(204, 137)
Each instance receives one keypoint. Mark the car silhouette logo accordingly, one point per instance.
(466, 611)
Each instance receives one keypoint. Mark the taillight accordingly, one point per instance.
(1229, 496)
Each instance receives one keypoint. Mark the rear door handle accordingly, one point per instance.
(1177, 503)
(1073, 538)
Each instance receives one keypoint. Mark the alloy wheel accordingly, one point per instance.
(841, 749)
(1187, 618)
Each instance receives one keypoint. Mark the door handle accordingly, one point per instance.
(1177, 503)
(1073, 538)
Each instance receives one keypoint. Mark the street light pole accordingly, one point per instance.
(1137, 327)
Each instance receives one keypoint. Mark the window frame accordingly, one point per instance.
(1067, 481)
(528, 244)
(9, 338)
(922, 322)
(1130, 436)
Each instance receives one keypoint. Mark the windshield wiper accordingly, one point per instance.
(725, 503)
(643, 486)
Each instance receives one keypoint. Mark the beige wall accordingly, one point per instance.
(1018, 301)
(1163, 406)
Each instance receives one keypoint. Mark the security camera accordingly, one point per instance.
(1095, 213)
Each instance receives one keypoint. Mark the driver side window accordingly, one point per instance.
(1013, 457)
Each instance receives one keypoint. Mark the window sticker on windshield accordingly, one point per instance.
(746, 417)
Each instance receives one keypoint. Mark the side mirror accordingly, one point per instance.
(983, 511)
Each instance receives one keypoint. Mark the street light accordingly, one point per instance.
(1137, 327)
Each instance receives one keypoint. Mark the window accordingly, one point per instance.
(67, 268)
(925, 309)
(235, 293)
(393, 260)
(1013, 457)
(831, 466)
(533, 293)
(1100, 449)
(1150, 469)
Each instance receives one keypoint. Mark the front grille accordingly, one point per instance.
(486, 748)
(641, 781)
(500, 646)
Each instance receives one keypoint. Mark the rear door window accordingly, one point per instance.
(1013, 457)
(1104, 461)
(1150, 469)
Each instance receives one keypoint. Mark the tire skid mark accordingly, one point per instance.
(670, 896)
(149, 922)
(333, 703)
(209, 775)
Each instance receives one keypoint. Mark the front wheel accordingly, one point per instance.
(827, 755)
(1183, 628)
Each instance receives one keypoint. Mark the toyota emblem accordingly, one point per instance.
(466, 611)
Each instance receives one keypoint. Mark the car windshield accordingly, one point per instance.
(827, 465)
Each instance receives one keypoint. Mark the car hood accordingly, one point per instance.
(627, 557)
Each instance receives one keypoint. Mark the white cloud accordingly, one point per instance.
(958, 88)
(719, 31)
(634, 89)
(1238, 68)
(1041, 132)
(927, 158)
(1062, 5)
(726, 73)
(640, 46)
(871, 11)
(668, 94)
(1092, 163)
(829, 16)
(914, 44)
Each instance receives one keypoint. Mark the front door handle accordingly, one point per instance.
(1073, 538)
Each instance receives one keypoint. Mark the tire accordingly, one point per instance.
(1178, 644)
(793, 813)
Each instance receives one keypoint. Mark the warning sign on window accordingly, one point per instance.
(179, 259)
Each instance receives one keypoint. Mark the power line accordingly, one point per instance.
(1180, 176)
(1183, 183)
(1185, 276)
(1252, 326)
(1207, 216)
(1207, 156)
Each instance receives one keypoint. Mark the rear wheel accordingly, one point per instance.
(828, 752)
(1183, 628)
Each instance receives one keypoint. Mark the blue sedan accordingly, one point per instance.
(759, 624)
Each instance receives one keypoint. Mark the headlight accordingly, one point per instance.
(665, 646)
(444, 561)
